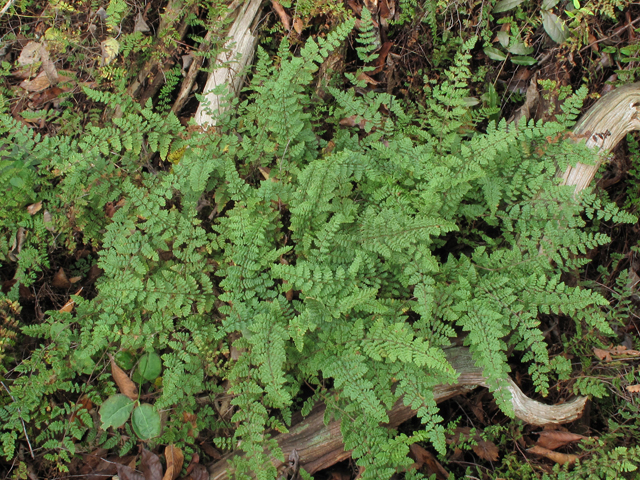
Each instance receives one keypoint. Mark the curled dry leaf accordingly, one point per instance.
(30, 54)
(426, 459)
(633, 388)
(150, 465)
(48, 221)
(284, 17)
(174, 457)
(557, 457)
(68, 307)
(60, 279)
(602, 354)
(298, 26)
(34, 208)
(486, 450)
(124, 383)
(141, 25)
(363, 76)
(552, 439)
(37, 84)
(47, 65)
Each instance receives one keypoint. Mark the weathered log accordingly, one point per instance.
(320, 446)
(241, 44)
(606, 123)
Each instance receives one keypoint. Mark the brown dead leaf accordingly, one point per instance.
(125, 384)
(150, 465)
(633, 388)
(351, 122)
(357, 8)
(363, 76)
(557, 457)
(60, 279)
(125, 472)
(47, 65)
(284, 17)
(30, 54)
(37, 84)
(174, 457)
(94, 273)
(385, 12)
(34, 208)
(211, 451)
(141, 25)
(47, 219)
(199, 472)
(73, 280)
(552, 439)
(602, 354)
(382, 56)
(621, 350)
(298, 26)
(425, 458)
(46, 96)
(68, 307)
(486, 450)
(84, 403)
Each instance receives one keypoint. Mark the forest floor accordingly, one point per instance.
(531, 54)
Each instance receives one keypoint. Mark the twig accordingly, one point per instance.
(6, 7)
(24, 428)
(615, 32)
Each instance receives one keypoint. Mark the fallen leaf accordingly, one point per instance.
(602, 354)
(73, 280)
(125, 472)
(552, 439)
(48, 221)
(150, 465)
(18, 242)
(47, 65)
(174, 457)
(48, 95)
(141, 25)
(561, 458)
(425, 458)
(60, 279)
(199, 472)
(363, 76)
(110, 48)
(68, 307)
(94, 273)
(298, 26)
(486, 450)
(187, 60)
(384, 9)
(126, 386)
(34, 208)
(102, 14)
(211, 451)
(633, 388)
(30, 54)
(382, 56)
(624, 351)
(351, 122)
(37, 84)
(284, 17)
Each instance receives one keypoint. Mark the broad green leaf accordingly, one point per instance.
(495, 54)
(124, 360)
(504, 5)
(146, 422)
(150, 366)
(549, 4)
(524, 60)
(115, 411)
(503, 38)
(555, 27)
(520, 48)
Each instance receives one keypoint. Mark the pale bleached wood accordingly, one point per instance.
(606, 123)
(241, 45)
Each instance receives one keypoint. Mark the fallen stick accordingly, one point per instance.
(320, 446)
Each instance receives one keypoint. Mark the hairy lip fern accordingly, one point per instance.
(334, 272)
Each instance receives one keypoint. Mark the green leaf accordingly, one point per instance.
(520, 48)
(495, 54)
(124, 360)
(549, 4)
(150, 366)
(115, 411)
(523, 60)
(146, 422)
(503, 38)
(504, 5)
(555, 27)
